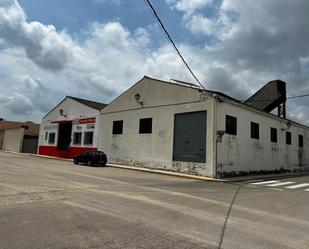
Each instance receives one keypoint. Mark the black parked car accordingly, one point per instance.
(91, 158)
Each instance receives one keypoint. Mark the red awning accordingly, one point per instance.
(61, 121)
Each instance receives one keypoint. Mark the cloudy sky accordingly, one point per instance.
(96, 49)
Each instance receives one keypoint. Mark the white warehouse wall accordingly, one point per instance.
(235, 154)
(243, 153)
(161, 101)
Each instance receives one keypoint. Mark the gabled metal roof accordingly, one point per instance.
(92, 104)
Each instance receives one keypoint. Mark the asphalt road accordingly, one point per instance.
(48, 203)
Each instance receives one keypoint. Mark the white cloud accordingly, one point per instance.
(40, 65)
(40, 62)
(257, 41)
(28, 96)
(43, 44)
(189, 5)
(201, 25)
(300, 114)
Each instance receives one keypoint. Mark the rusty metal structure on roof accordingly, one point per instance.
(269, 97)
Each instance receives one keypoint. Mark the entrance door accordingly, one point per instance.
(190, 137)
(64, 136)
(30, 144)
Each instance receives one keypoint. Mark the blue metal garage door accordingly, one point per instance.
(190, 137)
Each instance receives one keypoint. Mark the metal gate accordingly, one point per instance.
(30, 144)
(190, 137)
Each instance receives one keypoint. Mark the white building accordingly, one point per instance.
(19, 136)
(179, 127)
(70, 128)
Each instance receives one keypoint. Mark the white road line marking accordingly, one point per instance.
(277, 189)
(261, 183)
(298, 186)
(279, 184)
(307, 190)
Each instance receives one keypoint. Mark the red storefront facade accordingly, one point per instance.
(70, 128)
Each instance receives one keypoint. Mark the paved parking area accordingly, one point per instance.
(47, 203)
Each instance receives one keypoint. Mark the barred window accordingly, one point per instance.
(117, 127)
(145, 125)
(51, 138)
(288, 138)
(230, 125)
(300, 141)
(273, 135)
(77, 138)
(88, 138)
(255, 132)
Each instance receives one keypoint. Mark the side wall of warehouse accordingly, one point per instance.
(241, 153)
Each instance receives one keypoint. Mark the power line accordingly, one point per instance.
(298, 96)
(291, 97)
(172, 42)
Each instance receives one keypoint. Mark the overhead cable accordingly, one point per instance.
(263, 100)
(172, 42)
(298, 96)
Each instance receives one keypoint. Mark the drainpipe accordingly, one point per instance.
(214, 124)
(217, 135)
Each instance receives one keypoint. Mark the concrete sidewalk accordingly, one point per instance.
(166, 172)
(248, 178)
(156, 171)
(253, 178)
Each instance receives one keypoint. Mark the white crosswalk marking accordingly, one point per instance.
(279, 184)
(298, 186)
(283, 184)
(261, 183)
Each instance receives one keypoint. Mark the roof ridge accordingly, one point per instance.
(72, 97)
(90, 103)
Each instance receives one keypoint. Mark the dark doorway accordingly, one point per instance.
(190, 137)
(64, 136)
(30, 144)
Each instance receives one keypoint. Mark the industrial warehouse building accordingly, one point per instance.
(181, 127)
(19, 136)
(70, 128)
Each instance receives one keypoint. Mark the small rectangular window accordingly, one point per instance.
(300, 141)
(88, 138)
(230, 125)
(288, 138)
(117, 127)
(255, 132)
(145, 125)
(77, 138)
(51, 138)
(46, 135)
(273, 135)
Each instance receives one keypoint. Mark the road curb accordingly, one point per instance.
(166, 172)
(178, 174)
(266, 177)
(36, 155)
(155, 171)
(50, 157)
